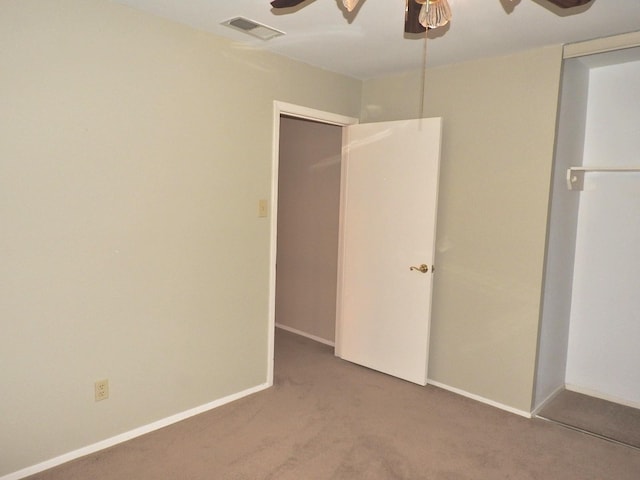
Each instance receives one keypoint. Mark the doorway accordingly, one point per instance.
(387, 207)
(296, 241)
(308, 227)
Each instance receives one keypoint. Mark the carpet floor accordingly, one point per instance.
(594, 415)
(328, 419)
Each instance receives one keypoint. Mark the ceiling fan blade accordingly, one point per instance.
(286, 3)
(569, 3)
(411, 17)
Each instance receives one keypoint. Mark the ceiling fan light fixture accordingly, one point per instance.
(350, 4)
(434, 13)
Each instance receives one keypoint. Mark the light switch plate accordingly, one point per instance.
(262, 208)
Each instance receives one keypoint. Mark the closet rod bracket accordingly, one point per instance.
(575, 179)
(575, 175)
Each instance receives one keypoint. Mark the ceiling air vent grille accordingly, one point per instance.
(252, 28)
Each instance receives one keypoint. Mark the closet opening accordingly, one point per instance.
(588, 372)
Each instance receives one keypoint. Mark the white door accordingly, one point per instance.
(388, 218)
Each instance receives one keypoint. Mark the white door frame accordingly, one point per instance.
(297, 111)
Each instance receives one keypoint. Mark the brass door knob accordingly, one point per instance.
(422, 268)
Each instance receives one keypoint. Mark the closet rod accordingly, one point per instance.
(575, 175)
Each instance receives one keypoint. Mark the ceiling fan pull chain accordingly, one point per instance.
(424, 76)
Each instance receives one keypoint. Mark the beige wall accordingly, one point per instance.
(498, 139)
(133, 153)
(308, 214)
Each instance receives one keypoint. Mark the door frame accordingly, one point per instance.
(303, 113)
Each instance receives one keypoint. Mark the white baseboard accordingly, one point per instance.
(544, 402)
(601, 395)
(303, 334)
(123, 437)
(480, 399)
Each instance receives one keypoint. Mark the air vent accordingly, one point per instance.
(252, 28)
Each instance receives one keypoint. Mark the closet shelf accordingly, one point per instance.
(575, 175)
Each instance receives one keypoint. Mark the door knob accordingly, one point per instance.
(422, 268)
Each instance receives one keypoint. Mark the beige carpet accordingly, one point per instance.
(328, 419)
(610, 420)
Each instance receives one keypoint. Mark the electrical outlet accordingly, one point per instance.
(101, 388)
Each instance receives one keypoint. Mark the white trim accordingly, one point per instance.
(342, 229)
(307, 113)
(601, 45)
(478, 398)
(298, 111)
(600, 395)
(305, 334)
(544, 402)
(123, 437)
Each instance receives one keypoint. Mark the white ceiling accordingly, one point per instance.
(370, 41)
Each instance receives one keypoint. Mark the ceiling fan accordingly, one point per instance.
(421, 15)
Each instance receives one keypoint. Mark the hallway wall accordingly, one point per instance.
(308, 215)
